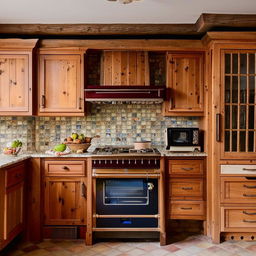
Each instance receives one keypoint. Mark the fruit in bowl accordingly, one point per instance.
(13, 149)
(78, 143)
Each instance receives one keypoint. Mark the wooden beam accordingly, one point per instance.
(97, 29)
(206, 22)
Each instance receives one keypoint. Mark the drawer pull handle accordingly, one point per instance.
(187, 188)
(245, 195)
(187, 169)
(249, 221)
(186, 208)
(248, 169)
(65, 168)
(246, 186)
(249, 213)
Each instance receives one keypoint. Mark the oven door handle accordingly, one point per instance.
(125, 175)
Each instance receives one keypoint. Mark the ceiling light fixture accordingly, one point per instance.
(124, 1)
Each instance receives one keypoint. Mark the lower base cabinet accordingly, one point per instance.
(65, 198)
(65, 201)
(186, 189)
(11, 203)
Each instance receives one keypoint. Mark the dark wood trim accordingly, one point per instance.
(206, 22)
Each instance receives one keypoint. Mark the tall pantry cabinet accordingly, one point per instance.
(231, 135)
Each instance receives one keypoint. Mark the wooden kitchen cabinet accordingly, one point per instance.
(65, 192)
(186, 189)
(65, 201)
(61, 83)
(11, 203)
(185, 88)
(16, 78)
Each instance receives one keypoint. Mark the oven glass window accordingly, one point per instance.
(181, 137)
(125, 192)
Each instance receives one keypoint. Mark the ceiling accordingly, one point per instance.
(103, 11)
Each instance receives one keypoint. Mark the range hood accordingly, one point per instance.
(139, 94)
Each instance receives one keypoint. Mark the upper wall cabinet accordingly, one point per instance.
(185, 74)
(16, 85)
(125, 68)
(61, 83)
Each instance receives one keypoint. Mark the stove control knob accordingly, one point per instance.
(122, 161)
(148, 161)
(141, 161)
(129, 162)
(117, 161)
(110, 161)
(99, 161)
(105, 161)
(150, 186)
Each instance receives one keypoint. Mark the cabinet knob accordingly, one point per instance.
(65, 168)
(43, 101)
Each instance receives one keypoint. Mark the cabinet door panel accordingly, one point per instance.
(14, 83)
(65, 201)
(185, 83)
(13, 214)
(238, 103)
(60, 83)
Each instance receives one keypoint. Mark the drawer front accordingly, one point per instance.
(15, 175)
(238, 169)
(65, 168)
(238, 190)
(186, 188)
(179, 209)
(186, 167)
(238, 218)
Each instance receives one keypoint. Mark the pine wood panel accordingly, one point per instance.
(185, 74)
(61, 84)
(125, 68)
(15, 175)
(186, 167)
(13, 218)
(238, 190)
(187, 210)
(14, 83)
(238, 219)
(65, 168)
(65, 201)
(186, 189)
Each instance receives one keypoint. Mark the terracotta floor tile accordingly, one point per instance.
(30, 248)
(136, 252)
(160, 252)
(171, 248)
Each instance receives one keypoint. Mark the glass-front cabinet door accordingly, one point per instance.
(239, 103)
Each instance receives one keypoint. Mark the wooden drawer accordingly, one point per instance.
(238, 219)
(65, 168)
(238, 190)
(15, 175)
(238, 169)
(187, 210)
(186, 188)
(186, 167)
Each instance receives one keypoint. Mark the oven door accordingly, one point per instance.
(124, 196)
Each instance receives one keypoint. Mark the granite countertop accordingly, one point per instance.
(9, 160)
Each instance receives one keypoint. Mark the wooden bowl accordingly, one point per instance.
(79, 146)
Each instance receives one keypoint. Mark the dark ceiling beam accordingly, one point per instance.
(206, 22)
(209, 21)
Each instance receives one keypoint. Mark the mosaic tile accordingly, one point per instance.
(130, 122)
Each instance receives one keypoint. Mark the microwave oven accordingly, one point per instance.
(182, 139)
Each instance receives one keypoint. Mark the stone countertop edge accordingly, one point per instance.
(9, 160)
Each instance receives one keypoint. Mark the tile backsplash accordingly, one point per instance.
(115, 123)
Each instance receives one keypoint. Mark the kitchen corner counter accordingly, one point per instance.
(9, 160)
